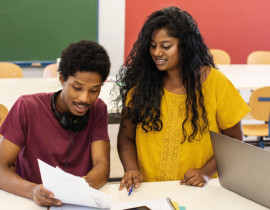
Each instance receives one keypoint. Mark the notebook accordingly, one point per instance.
(242, 168)
(156, 204)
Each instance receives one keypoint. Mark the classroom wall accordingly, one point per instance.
(111, 31)
(239, 27)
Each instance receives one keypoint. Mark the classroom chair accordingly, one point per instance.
(260, 110)
(3, 114)
(50, 71)
(220, 56)
(259, 57)
(10, 70)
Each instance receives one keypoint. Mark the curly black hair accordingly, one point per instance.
(141, 74)
(84, 56)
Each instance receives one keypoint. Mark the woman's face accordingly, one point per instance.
(164, 51)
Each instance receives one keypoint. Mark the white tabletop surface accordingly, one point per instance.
(210, 197)
(11, 89)
(245, 76)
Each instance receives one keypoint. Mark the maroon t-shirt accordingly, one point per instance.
(32, 125)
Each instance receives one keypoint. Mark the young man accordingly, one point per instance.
(68, 129)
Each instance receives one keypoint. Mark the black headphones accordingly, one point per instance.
(68, 121)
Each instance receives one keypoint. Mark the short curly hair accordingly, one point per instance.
(84, 56)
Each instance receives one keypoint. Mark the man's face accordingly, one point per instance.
(79, 92)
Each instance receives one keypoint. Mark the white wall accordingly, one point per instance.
(32, 72)
(111, 31)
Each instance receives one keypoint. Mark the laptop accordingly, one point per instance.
(242, 168)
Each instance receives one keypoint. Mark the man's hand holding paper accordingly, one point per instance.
(71, 189)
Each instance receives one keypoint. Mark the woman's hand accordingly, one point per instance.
(43, 197)
(132, 177)
(195, 177)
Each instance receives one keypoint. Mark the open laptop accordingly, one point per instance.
(242, 168)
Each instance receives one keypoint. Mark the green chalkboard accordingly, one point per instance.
(38, 30)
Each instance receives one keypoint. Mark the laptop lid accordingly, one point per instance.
(242, 168)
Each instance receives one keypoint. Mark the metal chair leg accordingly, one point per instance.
(260, 142)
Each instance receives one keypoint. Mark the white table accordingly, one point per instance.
(210, 197)
(249, 77)
(11, 89)
(242, 76)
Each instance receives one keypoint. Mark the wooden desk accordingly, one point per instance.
(210, 197)
(245, 76)
(11, 89)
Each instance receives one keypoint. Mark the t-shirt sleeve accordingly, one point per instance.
(100, 129)
(14, 128)
(231, 107)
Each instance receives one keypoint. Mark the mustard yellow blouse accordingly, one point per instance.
(160, 154)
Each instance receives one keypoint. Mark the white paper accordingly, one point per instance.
(156, 204)
(71, 189)
(72, 207)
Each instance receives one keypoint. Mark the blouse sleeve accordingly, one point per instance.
(129, 98)
(231, 107)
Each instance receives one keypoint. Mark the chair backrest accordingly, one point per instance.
(3, 113)
(50, 71)
(10, 70)
(220, 56)
(260, 103)
(259, 57)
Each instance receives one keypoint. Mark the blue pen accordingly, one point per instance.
(130, 191)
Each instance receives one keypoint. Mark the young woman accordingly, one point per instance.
(173, 95)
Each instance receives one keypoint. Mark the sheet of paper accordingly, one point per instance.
(71, 189)
(157, 204)
(73, 207)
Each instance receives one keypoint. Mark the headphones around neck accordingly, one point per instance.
(68, 121)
